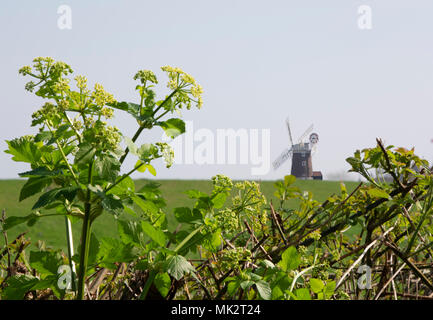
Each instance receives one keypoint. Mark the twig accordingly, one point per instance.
(389, 281)
(410, 264)
(5, 235)
(280, 230)
(361, 256)
(257, 241)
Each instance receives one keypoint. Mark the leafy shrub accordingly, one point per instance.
(232, 243)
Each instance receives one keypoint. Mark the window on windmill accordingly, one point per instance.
(304, 163)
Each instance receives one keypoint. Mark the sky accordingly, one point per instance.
(258, 62)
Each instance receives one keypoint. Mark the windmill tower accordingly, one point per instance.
(301, 154)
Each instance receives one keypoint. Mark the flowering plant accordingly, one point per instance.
(76, 156)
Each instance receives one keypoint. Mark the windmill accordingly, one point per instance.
(301, 154)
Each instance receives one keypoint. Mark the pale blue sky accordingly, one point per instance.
(258, 62)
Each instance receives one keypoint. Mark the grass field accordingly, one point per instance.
(51, 229)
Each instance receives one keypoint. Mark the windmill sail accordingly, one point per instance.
(290, 132)
(301, 139)
(282, 158)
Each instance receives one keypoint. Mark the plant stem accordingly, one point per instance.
(149, 281)
(85, 239)
(134, 138)
(70, 241)
(64, 156)
(125, 176)
(141, 128)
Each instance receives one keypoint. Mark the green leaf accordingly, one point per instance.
(173, 127)
(132, 108)
(213, 241)
(130, 232)
(177, 266)
(45, 262)
(264, 289)
(232, 287)
(34, 185)
(329, 289)
(142, 167)
(378, 193)
(162, 282)
(112, 204)
(49, 282)
(316, 285)
(126, 186)
(246, 284)
(112, 250)
(41, 172)
(55, 194)
(218, 200)
(147, 206)
(290, 259)
(131, 146)
(151, 169)
(147, 152)
(43, 136)
(15, 220)
(107, 168)
(267, 264)
(184, 214)
(277, 293)
(303, 294)
(17, 286)
(288, 180)
(196, 194)
(85, 153)
(191, 238)
(155, 234)
(24, 150)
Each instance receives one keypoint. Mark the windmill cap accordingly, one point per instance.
(314, 138)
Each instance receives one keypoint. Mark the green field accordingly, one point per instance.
(51, 229)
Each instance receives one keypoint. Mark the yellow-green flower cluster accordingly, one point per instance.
(314, 235)
(61, 68)
(107, 113)
(48, 112)
(250, 200)
(25, 70)
(63, 105)
(81, 83)
(30, 86)
(100, 96)
(41, 63)
(221, 183)
(173, 76)
(185, 85)
(103, 137)
(145, 75)
(228, 220)
(167, 153)
(196, 92)
(77, 124)
(46, 69)
(234, 257)
(61, 86)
